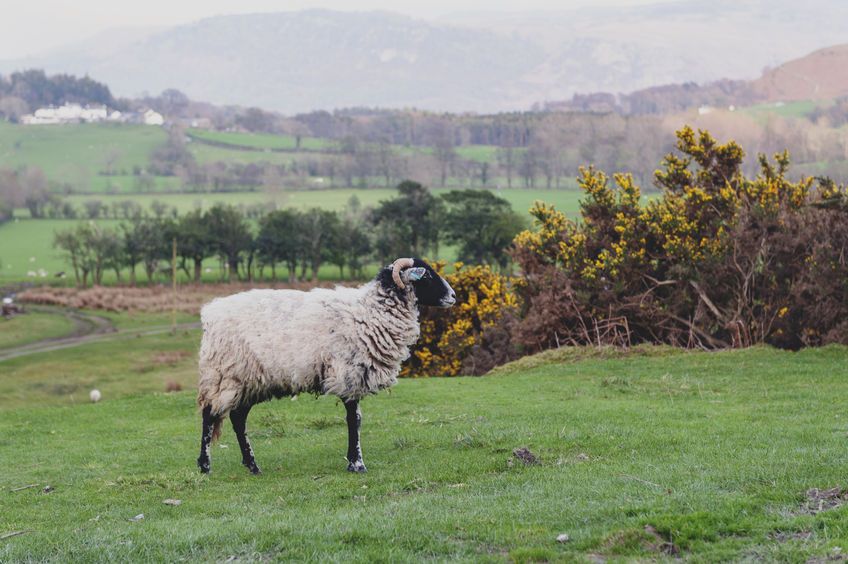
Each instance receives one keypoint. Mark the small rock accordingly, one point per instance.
(47, 489)
(173, 502)
(582, 456)
(563, 538)
(137, 518)
(524, 455)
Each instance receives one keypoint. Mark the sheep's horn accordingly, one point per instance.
(399, 265)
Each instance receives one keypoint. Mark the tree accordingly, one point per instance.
(93, 208)
(172, 156)
(349, 245)
(507, 160)
(133, 235)
(279, 240)
(317, 230)
(33, 183)
(194, 241)
(104, 250)
(230, 235)
(68, 242)
(13, 108)
(408, 224)
(446, 156)
(481, 224)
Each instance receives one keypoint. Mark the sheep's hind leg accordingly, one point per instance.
(238, 417)
(354, 450)
(203, 461)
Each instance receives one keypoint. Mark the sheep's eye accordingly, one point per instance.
(418, 273)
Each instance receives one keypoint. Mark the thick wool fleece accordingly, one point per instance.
(348, 342)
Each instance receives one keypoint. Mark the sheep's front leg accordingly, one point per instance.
(354, 450)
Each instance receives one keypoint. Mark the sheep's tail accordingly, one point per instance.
(203, 403)
(216, 429)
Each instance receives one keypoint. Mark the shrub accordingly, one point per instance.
(451, 339)
(717, 260)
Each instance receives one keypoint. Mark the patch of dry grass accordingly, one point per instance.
(152, 299)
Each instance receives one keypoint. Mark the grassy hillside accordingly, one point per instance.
(648, 456)
(63, 150)
(100, 158)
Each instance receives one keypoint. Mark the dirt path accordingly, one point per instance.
(88, 328)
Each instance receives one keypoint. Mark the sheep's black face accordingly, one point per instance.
(430, 288)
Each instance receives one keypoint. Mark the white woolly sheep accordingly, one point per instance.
(348, 342)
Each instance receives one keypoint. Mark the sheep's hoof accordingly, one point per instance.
(357, 466)
(254, 469)
(204, 468)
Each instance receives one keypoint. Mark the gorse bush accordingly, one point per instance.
(452, 340)
(717, 260)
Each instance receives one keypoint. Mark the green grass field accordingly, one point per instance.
(651, 456)
(796, 109)
(26, 246)
(23, 329)
(260, 140)
(74, 152)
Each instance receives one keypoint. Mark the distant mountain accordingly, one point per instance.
(818, 76)
(483, 62)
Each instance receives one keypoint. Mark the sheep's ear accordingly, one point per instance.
(417, 273)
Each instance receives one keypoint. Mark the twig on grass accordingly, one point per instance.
(24, 487)
(11, 534)
(629, 477)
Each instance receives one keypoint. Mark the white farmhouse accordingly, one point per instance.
(67, 113)
(153, 118)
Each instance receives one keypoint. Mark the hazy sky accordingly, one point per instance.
(30, 27)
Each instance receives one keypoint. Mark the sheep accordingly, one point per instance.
(348, 342)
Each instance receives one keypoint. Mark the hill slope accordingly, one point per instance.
(818, 76)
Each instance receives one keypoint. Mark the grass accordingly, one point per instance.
(23, 329)
(711, 452)
(797, 109)
(76, 153)
(26, 246)
(260, 140)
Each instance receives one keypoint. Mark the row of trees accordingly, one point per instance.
(480, 225)
(24, 91)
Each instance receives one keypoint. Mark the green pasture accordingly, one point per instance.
(78, 152)
(796, 109)
(260, 140)
(26, 246)
(211, 153)
(22, 329)
(655, 455)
